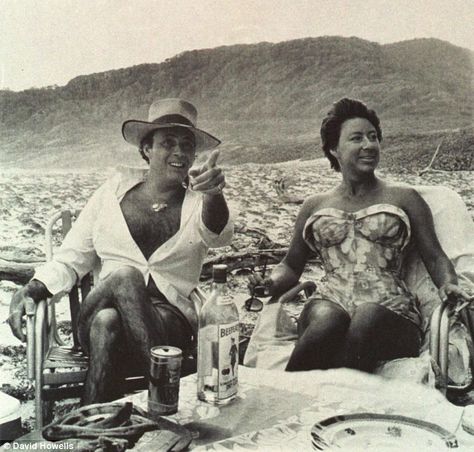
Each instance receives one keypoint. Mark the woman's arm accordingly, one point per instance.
(437, 263)
(287, 273)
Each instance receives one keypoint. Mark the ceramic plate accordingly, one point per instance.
(379, 432)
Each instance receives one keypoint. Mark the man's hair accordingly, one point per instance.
(340, 112)
(147, 141)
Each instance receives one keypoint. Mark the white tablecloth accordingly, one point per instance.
(275, 410)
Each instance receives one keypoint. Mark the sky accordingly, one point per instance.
(49, 42)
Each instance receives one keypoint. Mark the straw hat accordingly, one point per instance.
(165, 113)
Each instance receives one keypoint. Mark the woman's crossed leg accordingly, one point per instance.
(322, 326)
(329, 337)
(377, 334)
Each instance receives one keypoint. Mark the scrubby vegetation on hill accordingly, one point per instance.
(265, 100)
(402, 152)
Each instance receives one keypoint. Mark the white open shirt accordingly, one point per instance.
(100, 236)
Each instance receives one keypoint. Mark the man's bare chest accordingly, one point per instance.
(148, 228)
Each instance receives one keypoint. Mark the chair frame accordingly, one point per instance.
(439, 334)
(44, 343)
(439, 344)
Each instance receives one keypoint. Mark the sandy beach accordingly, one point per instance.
(27, 200)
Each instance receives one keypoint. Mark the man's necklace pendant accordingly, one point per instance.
(158, 207)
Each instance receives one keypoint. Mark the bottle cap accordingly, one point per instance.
(219, 273)
(166, 351)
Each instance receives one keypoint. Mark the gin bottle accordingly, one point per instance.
(218, 343)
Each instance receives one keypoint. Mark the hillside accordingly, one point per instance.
(265, 101)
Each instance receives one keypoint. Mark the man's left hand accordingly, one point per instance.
(208, 178)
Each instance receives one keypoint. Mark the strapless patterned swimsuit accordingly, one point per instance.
(362, 255)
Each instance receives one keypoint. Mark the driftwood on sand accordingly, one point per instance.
(17, 272)
(264, 249)
(429, 167)
(246, 260)
(20, 271)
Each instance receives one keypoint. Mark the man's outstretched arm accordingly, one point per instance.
(209, 179)
(215, 213)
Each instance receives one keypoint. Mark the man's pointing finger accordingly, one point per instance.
(212, 160)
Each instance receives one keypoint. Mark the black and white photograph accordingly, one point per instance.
(232, 225)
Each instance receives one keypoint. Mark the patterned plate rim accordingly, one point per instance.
(449, 439)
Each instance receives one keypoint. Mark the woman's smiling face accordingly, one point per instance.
(358, 147)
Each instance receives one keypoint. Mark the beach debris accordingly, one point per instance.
(281, 186)
(429, 167)
(111, 427)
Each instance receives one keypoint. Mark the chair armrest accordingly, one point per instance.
(307, 286)
(35, 335)
(30, 310)
(444, 347)
(439, 343)
(38, 335)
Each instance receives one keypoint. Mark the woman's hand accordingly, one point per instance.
(452, 294)
(259, 286)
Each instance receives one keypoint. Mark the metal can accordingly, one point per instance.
(165, 370)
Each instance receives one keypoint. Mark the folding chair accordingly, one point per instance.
(57, 369)
(274, 335)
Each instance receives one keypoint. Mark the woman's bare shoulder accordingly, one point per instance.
(313, 202)
(404, 195)
(318, 198)
(400, 190)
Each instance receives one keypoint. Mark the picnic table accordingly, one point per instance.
(276, 410)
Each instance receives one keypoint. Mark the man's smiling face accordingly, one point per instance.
(173, 152)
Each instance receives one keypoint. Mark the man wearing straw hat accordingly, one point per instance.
(150, 231)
